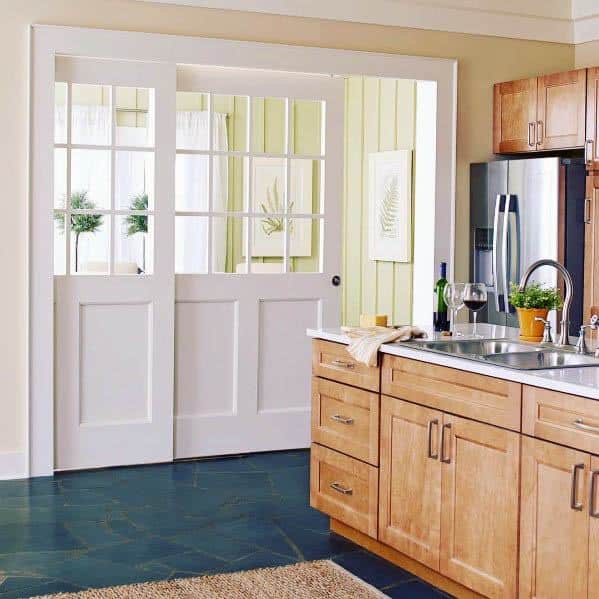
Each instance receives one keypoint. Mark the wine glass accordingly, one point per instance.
(453, 294)
(475, 299)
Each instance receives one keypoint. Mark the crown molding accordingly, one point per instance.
(585, 15)
(540, 20)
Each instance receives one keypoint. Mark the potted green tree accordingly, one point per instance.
(81, 223)
(531, 303)
(138, 223)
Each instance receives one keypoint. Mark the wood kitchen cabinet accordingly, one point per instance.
(539, 114)
(591, 246)
(554, 522)
(592, 138)
(514, 116)
(479, 506)
(410, 480)
(594, 526)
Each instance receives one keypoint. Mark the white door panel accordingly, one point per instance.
(114, 328)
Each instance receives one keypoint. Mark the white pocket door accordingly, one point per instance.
(257, 244)
(114, 283)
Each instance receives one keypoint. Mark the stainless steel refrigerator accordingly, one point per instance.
(520, 211)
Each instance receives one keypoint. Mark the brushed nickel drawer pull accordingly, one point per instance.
(539, 133)
(574, 503)
(579, 423)
(341, 489)
(432, 423)
(342, 419)
(594, 510)
(342, 364)
(445, 460)
(587, 211)
(531, 134)
(588, 156)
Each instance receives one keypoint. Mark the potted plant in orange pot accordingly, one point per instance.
(531, 303)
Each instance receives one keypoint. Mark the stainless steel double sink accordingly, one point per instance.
(508, 353)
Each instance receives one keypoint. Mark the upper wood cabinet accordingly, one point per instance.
(592, 138)
(514, 116)
(539, 114)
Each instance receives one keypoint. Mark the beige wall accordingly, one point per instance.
(587, 55)
(482, 60)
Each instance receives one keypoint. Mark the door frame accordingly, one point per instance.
(48, 41)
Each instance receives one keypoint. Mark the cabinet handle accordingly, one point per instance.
(432, 423)
(587, 211)
(342, 364)
(539, 133)
(594, 510)
(445, 460)
(574, 503)
(579, 423)
(588, 156)
(341, 489)
(342, 419)
(531, 134)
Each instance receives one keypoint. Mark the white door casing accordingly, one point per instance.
(114, 332)
(242, 362)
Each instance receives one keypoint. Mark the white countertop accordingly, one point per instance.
(577, 381)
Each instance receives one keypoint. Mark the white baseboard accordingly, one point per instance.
(13, 465)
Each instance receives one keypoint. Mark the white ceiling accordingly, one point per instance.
(567, 21)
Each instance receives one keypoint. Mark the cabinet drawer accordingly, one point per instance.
(475, 396)
(344, 488)
(562, 418)
(346, 419)
(332, 361)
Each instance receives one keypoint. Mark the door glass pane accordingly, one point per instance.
(230, 123)
(268, 238)
(269, 130)
(60, 113)
(228, 244)
(91, 114)
(304, 244)
(229, 183)
(307, 127)
(90, 240)
(191, 182)
(60, 177)
(133, 238)
(304, 189)
(268, 185)
(192, 121)
(60, 263)
(90, 179)
(191, 244)
(134, 116)
(134, 180)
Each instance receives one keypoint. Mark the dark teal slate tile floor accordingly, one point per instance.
(127, 525)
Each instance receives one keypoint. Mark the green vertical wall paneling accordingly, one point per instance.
(380, 116)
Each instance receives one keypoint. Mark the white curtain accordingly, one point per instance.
(191, 235)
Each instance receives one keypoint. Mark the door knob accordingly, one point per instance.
(336, 281)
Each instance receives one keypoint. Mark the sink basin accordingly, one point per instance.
(540, 360)
(474, 347)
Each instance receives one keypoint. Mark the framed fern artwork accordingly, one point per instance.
(268, 197)
(390, 206)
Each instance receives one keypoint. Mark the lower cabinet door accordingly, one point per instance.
(344, 488)
(594, 528)
(479, 515)
(554, 527)
(410, 480)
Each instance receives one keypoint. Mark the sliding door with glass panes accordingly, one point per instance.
(257, 242)
(114, 262)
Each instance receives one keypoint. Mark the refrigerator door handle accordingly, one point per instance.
(499, 205)
(507, 263)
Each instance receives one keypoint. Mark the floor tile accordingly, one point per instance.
(374, 570)
(137, 551)
(414, 589)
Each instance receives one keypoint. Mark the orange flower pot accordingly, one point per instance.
(531, 329)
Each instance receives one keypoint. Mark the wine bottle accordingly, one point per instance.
(440, 320)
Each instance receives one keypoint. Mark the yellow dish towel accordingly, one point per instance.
(365, 342)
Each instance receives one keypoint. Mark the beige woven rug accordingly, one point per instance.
(307, 580)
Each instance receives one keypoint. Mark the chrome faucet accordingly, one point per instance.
(564, 333)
